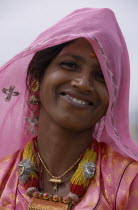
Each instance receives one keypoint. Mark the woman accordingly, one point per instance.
(65, 141)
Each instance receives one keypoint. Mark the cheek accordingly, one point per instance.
(55, 79)
(103, 96)
(50, 85)
(105, 102)
(44, 93)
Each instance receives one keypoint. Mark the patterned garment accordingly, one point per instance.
(115, 185)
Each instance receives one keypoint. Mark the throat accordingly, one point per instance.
(59, 147)
(60, 151)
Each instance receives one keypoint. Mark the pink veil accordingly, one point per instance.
(100, 28)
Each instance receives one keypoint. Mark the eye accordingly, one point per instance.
(99, 76)
(69, 65)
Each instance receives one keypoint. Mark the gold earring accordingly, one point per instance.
(35, 86)
(34, 99)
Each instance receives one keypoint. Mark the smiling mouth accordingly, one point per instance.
(76, 101)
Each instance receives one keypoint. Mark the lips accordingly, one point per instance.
(77, 99)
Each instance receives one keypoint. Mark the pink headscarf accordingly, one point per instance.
(100, 28)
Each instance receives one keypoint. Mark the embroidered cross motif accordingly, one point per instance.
(10, 92)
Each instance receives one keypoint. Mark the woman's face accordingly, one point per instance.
(73, 92)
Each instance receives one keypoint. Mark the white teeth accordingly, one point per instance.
(78, 100)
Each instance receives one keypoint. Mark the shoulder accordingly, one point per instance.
(116, 166)
(8, 169)
(119, 173)
(9, 179)
(116, 159)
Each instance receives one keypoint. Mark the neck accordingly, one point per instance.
(60, 147)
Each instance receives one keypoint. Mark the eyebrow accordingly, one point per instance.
(76, 57)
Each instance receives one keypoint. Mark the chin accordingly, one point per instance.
(74, 125)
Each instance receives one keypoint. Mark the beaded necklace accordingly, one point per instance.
(30, 174)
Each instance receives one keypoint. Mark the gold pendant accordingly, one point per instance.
(55, 188)
(56, 182)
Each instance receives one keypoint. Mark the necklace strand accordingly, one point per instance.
(57, 177)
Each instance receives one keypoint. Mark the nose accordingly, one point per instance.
(82, 83)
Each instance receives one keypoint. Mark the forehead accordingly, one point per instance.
(79, 49)
(79, 44)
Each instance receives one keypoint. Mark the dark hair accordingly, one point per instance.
(40, 62)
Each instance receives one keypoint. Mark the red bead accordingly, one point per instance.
(55, 198)
(45, 196)
(36, 194)
(66, 199)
